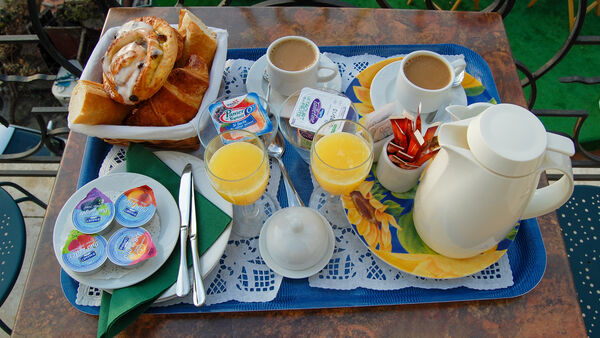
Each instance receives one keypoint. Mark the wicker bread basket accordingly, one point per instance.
(191, 143)
(180, 137)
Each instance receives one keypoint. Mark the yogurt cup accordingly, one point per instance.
(129, 247)
(136, 207)
(84, 253)
(94, 214)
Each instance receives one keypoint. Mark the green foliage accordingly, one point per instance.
(14, 17)
(25, 59)
(84, 13)
(15, 58)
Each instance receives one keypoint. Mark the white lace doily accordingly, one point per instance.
(242, 275)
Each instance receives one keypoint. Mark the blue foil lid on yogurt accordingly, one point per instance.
(84, 253)
(94, 213)
(130, 246)
(136, 207)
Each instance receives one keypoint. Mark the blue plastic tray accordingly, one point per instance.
(527, 254)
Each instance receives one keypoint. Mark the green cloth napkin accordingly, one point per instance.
(120, 309)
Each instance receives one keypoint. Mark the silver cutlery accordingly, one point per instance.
(185, 188)
(197, 288)
(276, 150)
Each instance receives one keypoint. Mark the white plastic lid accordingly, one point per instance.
(508, 139)
(296, 242)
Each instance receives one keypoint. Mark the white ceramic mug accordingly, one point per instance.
(408, 95)
(392, 177)
(286, 82)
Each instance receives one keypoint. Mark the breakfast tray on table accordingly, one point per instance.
(526, 254)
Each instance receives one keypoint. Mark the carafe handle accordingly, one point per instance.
(551, 197)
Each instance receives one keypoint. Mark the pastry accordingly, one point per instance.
(90, 104)
(179, 99)
(139, 60)
(197, 38)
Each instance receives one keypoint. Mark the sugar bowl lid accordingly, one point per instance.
(296, 242)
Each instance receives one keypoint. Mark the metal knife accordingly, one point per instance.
(185, 188)
(198, 288)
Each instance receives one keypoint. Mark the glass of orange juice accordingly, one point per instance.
(340, 159)
(237, 165)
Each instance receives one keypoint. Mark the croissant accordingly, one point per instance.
(179, 99)
(139, 60)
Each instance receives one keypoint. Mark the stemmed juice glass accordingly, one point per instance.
(340, 159)
(238, 168)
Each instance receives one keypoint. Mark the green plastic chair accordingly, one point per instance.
(13, 239)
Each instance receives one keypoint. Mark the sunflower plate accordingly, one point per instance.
(359, 89)
(383, 221)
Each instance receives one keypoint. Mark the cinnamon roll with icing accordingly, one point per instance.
(139, 60)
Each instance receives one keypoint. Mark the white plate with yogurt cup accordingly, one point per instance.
(164, 230)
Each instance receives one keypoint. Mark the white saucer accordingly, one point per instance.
(256, 83)
(382, 90)
(318, 264)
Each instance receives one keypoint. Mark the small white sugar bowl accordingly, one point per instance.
(296, 242)
(392, 177)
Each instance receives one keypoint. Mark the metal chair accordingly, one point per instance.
(500, 6)
(578, 219)
(585, 158)
(595, 4)
(44, 39)
(13, 240)
(27, 145)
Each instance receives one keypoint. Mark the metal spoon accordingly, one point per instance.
(275, 150)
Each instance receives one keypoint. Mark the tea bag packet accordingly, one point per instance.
(377, 122)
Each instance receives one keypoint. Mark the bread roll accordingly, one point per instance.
(178, 100)
(139, 60)
(198, 39)
(90, 104)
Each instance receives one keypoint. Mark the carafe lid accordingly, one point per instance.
(508, 140)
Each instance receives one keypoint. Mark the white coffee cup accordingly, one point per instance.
(410, 92)
(294, 62)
